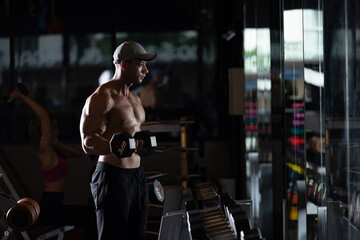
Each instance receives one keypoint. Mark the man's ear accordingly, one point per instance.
(123, 65)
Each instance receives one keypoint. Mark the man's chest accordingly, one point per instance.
(127, 112)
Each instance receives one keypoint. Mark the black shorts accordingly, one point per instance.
(121, 201)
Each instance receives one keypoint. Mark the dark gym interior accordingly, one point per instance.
(258, 100)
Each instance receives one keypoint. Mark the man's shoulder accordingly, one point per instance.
(102, 91)
(100, 95)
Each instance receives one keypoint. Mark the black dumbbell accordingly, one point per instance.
(122, 145)
(145, 143)
(251, 234)
(224, 234)
(197, 216)
(21, 87)
(196, 224)
(241, 221)
(198, 234)
(192, 205)
(194, 216)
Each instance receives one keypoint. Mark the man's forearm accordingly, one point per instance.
(96, 145)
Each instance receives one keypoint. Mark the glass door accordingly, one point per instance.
(342, 117)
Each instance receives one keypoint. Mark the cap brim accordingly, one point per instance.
(146, 56)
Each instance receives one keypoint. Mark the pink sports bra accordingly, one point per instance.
(56, 173)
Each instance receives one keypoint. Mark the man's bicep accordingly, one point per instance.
(92, 140)
(94, 117)
(94, 125)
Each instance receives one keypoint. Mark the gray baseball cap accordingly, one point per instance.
(131, 50)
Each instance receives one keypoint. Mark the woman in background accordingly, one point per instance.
(43, 130)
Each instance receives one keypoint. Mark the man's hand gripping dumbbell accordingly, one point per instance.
(123, 145)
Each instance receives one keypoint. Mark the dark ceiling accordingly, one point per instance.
(89, 16)
(83, 16)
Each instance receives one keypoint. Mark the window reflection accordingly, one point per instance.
(257, 124)
(61, 71)
(294, 129)
(304, 91)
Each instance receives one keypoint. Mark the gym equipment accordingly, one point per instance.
(319, 193)
(298, 122)
(310, 186)
(237, 216)
(169, 122)
(251, 234)
(23, 214)
(206, 215)
(175, 224)
(314, 190)
(227, 220)
(352, 206)
(205, 196)
(163, 149)
(180, 126)
(209, 224)
(6, 201)
(182, 149)
(296, 141)
(145, 143)
(20, 212)
(59, 232)
(122, 145)
(357, 211)
(205, 191)
(156, 191)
